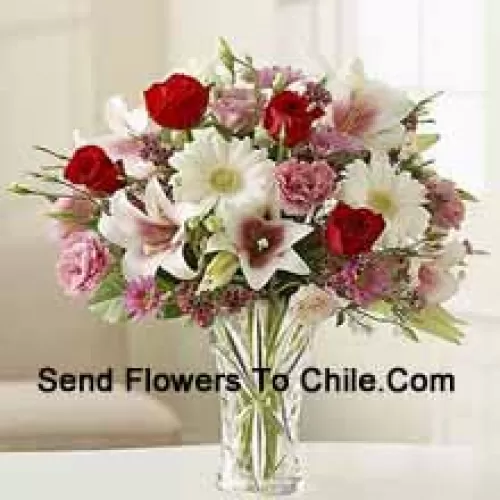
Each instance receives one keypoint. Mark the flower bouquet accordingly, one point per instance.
(258, 202)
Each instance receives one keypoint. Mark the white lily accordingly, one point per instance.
(154, 237)
(123, 144)
(262, 245)
(369, 111)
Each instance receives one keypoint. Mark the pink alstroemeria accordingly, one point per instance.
(153, 237)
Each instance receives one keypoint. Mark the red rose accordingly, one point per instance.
(292, 113)
(177, 103)
(91, 167)
(351, 231)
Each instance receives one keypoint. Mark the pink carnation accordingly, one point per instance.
(447, 208)
(83, 262)
(237, 109)
(303, 186)
(79, 212)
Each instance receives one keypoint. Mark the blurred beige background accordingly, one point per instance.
(60, 60)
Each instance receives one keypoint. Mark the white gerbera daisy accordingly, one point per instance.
(230, 174)
(396, 196)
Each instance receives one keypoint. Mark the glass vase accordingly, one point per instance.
(266, 351)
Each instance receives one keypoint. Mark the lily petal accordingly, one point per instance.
(291, 262)
(122, 121)
(257, 277)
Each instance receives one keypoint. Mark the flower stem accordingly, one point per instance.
(59, 156)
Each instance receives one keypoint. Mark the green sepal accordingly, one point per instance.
(426, 141)
(466, 196)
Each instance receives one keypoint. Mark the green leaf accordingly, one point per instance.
(111, 311)
(111, 286)
(446, 316)
(107, 300)
(226, 56)
(436, 321)
(170, 311)
(426, 141)
(408, 332)
(382, 308)
(466, 196)
(165, 282)
(64, 216)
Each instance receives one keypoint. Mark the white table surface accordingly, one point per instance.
(336, 471)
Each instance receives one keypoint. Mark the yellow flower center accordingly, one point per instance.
(225, 179)
(382, 202)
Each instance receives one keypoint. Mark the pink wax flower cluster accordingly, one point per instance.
(303, 186)
(83, 262)
(364, 280)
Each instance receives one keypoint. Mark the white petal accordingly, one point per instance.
(138, 120)
(294, 232)
(138, 168)
(136, 265)
(78, 139)
(123, 122)
(453, 253)
(257, 277)
(385, 139)
(219, 242)
(291, 262)
(157, 202)
(447, 287)
(110, 229)
(392, 104)
(175, 264)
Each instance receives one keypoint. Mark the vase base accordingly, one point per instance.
(276, 487)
